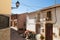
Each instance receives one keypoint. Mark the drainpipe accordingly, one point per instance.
(55, 13)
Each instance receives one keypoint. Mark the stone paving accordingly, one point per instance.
(5, 35)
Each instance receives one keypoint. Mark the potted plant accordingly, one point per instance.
(41, 37)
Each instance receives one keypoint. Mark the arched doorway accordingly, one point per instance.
(4, 21)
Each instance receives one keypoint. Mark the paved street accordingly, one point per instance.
(15, 35)
(10, 34)
(5, 34)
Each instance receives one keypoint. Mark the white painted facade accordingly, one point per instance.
(30, 24)
(31, 21)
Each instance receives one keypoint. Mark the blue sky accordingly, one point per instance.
(32, 5)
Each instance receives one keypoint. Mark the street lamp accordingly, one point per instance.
(17, 5)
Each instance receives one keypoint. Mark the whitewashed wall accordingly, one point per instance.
(57, 24)
(55, 20)
(30, 25)
(31, 22)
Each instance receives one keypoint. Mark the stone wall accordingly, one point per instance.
(5, 34)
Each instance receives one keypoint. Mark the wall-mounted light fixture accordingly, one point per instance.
(17, 5)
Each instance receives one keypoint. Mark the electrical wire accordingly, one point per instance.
(28, 6)
(31, 7)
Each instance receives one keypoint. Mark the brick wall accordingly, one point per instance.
(21, 20)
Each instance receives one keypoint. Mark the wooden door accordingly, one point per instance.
(37, 28)
(48, 31)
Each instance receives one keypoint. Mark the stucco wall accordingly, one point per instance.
(58, 16)
(5, 7)
(30, 24)
(57, 24)
(55, 20)
(5, 34)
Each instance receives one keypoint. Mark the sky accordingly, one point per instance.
(32, 5)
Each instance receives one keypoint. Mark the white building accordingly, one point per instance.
(45, 21)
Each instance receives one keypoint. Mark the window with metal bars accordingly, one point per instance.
(38, 18)
(4, 21)
(49, 16)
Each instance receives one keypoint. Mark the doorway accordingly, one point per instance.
(48, 31)
(37, 28)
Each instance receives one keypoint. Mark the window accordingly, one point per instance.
(4, 21)
(32, 16)
(15, 23)
(42, 30)
(24, 23)
(49, 16)
(38, 18)
(11, 23)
